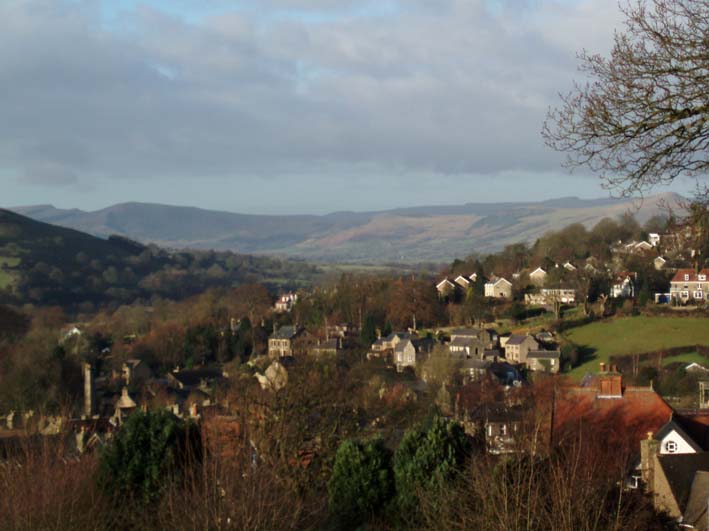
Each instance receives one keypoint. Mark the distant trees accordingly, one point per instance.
(642, 120)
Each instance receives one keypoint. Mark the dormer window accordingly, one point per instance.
(703, 278)
(686, 278)
(670, 447)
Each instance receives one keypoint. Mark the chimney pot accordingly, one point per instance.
(603, 367)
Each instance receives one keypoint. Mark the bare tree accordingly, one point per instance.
(643, 118)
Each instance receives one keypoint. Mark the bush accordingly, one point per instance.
(149, 449)
(427, 457)
(361, 483)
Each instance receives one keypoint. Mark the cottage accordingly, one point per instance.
(688, 285)
(499, 288)
(517, 348)
(569, 266)
(659, 263)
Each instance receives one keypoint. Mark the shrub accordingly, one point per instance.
(149, 449)
(361, 483)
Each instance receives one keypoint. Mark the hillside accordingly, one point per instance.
(46, 264)
(406, 235)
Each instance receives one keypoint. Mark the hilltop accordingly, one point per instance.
(47, 264)
(403, 235)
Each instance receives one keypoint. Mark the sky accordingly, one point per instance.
(289, 106)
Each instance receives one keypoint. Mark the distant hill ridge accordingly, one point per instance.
(413, 234)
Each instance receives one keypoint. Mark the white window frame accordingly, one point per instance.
(671, 447)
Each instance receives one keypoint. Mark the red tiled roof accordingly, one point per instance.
(693, 276)
(625, 419)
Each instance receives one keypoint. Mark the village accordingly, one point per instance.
(490, 372)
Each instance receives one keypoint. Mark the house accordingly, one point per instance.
(569, 266)
(654, 239)
(488, 336)
(538, 276)
(191, 379)
(495, 425)
(330, 347)
(548, 296)
(474, 369)
(638, 247)
(545, 337)
(285, 302)
(446, 288)
(280, 344)
(518, 346)
(544, 361)
(659, 263)
(623, 285)
(688, 285)
(603, 403)
(464, 347)
(409, 352)
(463, 282)
(499, 288)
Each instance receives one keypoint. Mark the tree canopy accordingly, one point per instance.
(642, 119)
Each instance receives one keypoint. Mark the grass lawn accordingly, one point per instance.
(631, 335)
(690, 357)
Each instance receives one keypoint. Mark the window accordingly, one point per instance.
(671, 447)
(698, 295)
(702, 277)
(686, 278)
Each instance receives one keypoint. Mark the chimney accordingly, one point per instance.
(649, 448)
(88, 390)
(603, 367)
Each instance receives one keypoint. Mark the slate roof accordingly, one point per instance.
(516, 339)
(285, 332)
(463, 341)
(680, 470)
(697, 503)
(544, 354)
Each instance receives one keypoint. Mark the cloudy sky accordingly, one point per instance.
(288, 106)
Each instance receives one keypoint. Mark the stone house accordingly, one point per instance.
(280, 344)
(517, 348)
(409, 352)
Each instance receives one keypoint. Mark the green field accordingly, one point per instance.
(690, 357)
(6, 278)
(629, 335)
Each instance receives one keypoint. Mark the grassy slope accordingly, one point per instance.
(690, 357)
(6, 277)
(634, 334)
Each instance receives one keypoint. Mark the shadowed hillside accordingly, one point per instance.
(406, 235)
